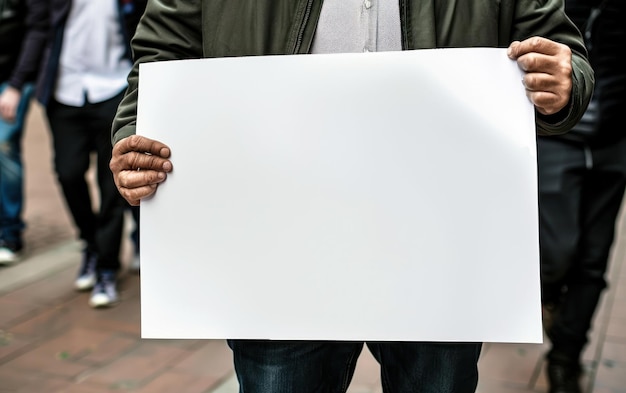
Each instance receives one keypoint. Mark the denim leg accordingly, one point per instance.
(294, 366)
(411, 367)
(11, 170)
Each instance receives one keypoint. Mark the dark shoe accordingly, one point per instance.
(563, 377)
(87, 273)
(104, 293)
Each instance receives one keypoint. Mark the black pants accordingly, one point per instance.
(580, 194)
(135, 234)
(77, 133)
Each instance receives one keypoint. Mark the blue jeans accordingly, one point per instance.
(11, 170)
(327, 367)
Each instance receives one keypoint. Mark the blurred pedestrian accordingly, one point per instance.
(539, 36)
(23, 31)
(81, 84)
(582, 176)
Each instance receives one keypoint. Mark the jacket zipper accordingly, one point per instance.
(305, 19)
(404, 33)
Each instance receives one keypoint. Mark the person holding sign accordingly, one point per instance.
(539, 36)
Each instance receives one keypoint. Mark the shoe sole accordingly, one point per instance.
(102, 303)
(84, 286)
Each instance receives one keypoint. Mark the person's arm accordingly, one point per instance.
(559, 78)
(27, 64)
(37, 25)
(168, 30)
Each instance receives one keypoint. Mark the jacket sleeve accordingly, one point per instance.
(168, 30)
(37, 25)
(582, 89)
(547, 18)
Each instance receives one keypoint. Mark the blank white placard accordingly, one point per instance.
(376, 196)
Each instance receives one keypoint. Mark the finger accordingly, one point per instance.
(136, 185)
(530, 62)
(547, 92)
(538, 81)
(139, 161)
(559, 66)
(534, 44)
(137, 143)
(138, 179)
(143, 161)
(134, 195)
(546, 102)
(132, 153)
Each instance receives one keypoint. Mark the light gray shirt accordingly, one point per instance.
(349, 26)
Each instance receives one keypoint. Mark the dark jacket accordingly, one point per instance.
(130, 12)
(23, 32)
(174, 29)
(603, 23)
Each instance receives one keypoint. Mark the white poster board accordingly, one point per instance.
(377, 196)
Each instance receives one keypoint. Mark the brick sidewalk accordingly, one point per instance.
(51, 341)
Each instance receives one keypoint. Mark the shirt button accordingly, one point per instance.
(368, 4)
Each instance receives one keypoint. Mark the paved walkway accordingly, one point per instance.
(51, 341)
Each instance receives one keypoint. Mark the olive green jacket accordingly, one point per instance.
(181, 29)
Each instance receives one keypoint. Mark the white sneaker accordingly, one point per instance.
(8, 256)
(9, 251)
(104, 293)
(87, 274)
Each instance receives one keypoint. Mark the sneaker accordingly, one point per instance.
(135, 264)
(87, 274)
(104, 293)
(9, 252)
